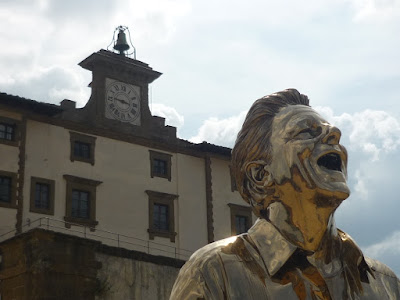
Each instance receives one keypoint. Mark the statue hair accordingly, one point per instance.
(253, 140)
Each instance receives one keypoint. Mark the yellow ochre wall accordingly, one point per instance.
(122, 205)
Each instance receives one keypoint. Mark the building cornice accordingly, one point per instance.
(51, 114)
(21, 104)
(119, 64)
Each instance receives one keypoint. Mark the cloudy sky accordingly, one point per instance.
(217, 57)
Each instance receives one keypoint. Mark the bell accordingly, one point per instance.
(121, 45)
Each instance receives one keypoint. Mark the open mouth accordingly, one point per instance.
(331, 161)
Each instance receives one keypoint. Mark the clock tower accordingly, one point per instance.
(119, 101)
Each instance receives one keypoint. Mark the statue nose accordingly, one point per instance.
(332, 136)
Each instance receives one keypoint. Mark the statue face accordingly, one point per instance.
(307, 153)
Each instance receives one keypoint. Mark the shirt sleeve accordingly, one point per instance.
(201, 278)
(398, 285)
(189, 284)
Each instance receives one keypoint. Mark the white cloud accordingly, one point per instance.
(376, 10)
(49, 85)
(375, 130)
(369, 136)
(390, 245)
(371, 149)
(360, 186)
(371, 132)
(172, 117)
(220, 131)
(163, 15)
(41, 33)
(24, 31)
(387, 251)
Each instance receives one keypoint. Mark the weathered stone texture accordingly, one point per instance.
(42, 264)
(46, 265)
(124, 278)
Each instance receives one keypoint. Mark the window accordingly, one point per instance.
(9, 131)
(160, 167)
(241, 224)
(81, 200)
(82, 147)
(80, 206)
(241, 218)
(42, 196)
(82, 150)
(5, 189)
(8, 190)
(160, 164)
(161, 215)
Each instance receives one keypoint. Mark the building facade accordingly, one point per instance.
(111, 171)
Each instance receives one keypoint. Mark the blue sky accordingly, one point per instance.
(217, 57)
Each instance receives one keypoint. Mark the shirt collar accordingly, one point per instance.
(274, 249)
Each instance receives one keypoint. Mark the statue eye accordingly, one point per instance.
(308, 133)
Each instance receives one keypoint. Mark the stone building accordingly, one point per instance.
(105, 201)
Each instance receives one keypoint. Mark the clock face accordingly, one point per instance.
(122, 102)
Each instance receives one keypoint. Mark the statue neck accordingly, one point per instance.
(302, 222)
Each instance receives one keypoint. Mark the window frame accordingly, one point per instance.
(154, 155)
(16, 134)
(84, 185)
(240, 210)
(167, 200)
(85, 139)
(51, 184)
(13, 195)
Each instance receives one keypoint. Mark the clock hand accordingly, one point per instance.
(122, 101)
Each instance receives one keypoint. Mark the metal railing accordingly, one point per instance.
(106, 237)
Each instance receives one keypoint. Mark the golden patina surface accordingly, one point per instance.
(307, 192)
(264, 265)
(290, 166)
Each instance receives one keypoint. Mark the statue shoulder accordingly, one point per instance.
(379, 267)
(200, 277)
(209, 252)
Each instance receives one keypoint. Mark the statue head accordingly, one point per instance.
(287, 153)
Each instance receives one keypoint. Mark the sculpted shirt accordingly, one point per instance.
(264, 265)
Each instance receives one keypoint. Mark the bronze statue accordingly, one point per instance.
(289, 165)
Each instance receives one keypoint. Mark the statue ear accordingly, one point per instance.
(257, 173)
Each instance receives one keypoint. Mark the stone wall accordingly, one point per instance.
(126, 278)
(42, 264)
